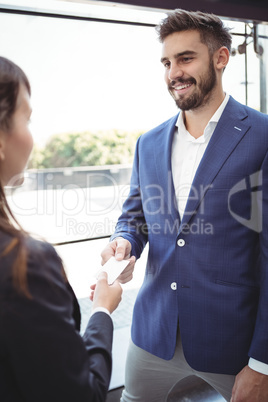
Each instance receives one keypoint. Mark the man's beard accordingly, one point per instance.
(199, 97)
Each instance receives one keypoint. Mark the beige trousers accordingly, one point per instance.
(150, 379)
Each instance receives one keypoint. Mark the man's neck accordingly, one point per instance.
(196, 120)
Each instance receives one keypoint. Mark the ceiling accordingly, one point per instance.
(250, 10)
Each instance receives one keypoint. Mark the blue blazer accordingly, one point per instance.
(206, 273)
(42, 355)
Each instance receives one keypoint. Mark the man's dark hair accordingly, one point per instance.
(212, 31)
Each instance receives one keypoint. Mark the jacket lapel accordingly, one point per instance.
(162, 151)
(228, 133)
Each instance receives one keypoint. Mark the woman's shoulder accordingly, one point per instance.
(38, 248)
(42, 259)
(32, 244)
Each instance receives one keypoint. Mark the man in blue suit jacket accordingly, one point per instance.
(199, 197)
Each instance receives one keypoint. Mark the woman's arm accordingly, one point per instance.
(46, 354)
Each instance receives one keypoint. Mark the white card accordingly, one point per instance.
(113, 269)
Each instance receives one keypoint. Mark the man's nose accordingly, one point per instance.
(175, 72)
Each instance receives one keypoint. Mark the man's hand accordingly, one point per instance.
(121, 249)
(250, 386)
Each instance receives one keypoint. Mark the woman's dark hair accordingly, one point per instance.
(11, 78)
(212, 31)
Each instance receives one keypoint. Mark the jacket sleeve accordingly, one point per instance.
(49, 359)
(132, 224)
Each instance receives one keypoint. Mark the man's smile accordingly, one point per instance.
(180, 88)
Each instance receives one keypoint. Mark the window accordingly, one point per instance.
(95, 75)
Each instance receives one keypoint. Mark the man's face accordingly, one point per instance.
(189, 70)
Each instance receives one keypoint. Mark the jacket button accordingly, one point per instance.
(173, 286)
(181, 242)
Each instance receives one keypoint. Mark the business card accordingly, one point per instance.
(113, 269)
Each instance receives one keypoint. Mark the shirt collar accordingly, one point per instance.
(209, 128)
(219, 111)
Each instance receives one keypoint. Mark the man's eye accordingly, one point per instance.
(187, 59)
(166, 65)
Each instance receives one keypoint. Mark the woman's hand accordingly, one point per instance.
(104, 295)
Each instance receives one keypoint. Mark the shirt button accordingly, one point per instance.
(173, 286)
(181, 242)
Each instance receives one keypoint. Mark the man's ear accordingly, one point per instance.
(221, 58)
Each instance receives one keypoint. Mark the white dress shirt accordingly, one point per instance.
(186, 155)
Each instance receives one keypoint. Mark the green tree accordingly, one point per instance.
(86, 149)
